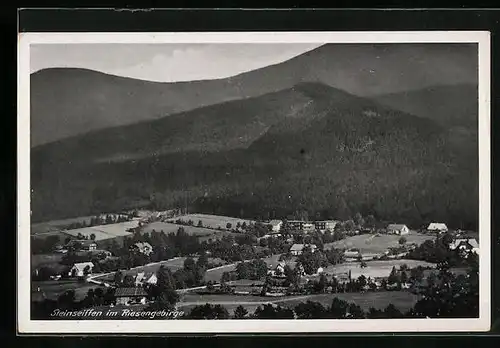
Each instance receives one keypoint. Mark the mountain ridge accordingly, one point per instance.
(65, 104)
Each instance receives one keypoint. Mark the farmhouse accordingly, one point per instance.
(81, 245)
(465, 245)
(142, 247)
(437, 227)
(81, 269)
(275, 225)
(297, 249)
(127, 296)
(325, 225)
(143, 278)
(398, 229)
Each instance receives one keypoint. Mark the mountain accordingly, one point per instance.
(310, 147)
(451, 106)
(66, 102)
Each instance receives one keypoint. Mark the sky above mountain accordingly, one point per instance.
(165, 62)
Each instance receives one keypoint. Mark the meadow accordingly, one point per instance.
(377, 244)
(403, 300)
(213, 221)
(104, 232)
(52, 289)
(203, 234)
(373, 269)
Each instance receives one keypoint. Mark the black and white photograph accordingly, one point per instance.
(322, 182)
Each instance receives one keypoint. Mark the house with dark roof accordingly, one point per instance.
(297, 249)
(81, 245)
(130, 295)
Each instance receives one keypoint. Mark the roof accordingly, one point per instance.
(82, 265)
(300, 247)
(396, 227)
(130, 292)
(142, 245)
(437, 226)
(275, 222)
(83, 242)
(472, 242)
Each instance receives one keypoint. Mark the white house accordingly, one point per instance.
(398, 229)
(437, 227)
(275, 225)
(325, 225)
(308, 227)
(81, 269)
(297, 249)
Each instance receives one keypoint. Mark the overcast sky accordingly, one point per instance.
(165, 62)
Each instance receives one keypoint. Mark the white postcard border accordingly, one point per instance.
(26, 325)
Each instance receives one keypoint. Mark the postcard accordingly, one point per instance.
(254, 182)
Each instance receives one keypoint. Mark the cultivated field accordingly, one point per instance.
(373, 268)
(213, 221)
(104, 232)
(201, 232)
(377, 244)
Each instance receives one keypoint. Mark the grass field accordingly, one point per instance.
(403, 300)
(201, 232)
(373, 268)
(45, 259)
(55, 225)
(53, 288)
(213, 221)
(371, 243)
(104, 232)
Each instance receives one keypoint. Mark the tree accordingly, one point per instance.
(393, 276)
(338, 309)
(92, 236)
(200, 223)
(358, 220)
(209, 311)
(189, 264)
(240, 312)
(355, 312)
(370, 221)
(128, 281)
(164, 290)
(392, 312)
(117, 279)
(310, 310)
(361, 281)
(270, 311)
(402, 240)
(363, 264)
(229, 225)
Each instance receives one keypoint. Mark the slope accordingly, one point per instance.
(67, 102)
(451, 106)
(336, 155)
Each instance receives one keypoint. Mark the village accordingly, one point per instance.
(128, 259)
